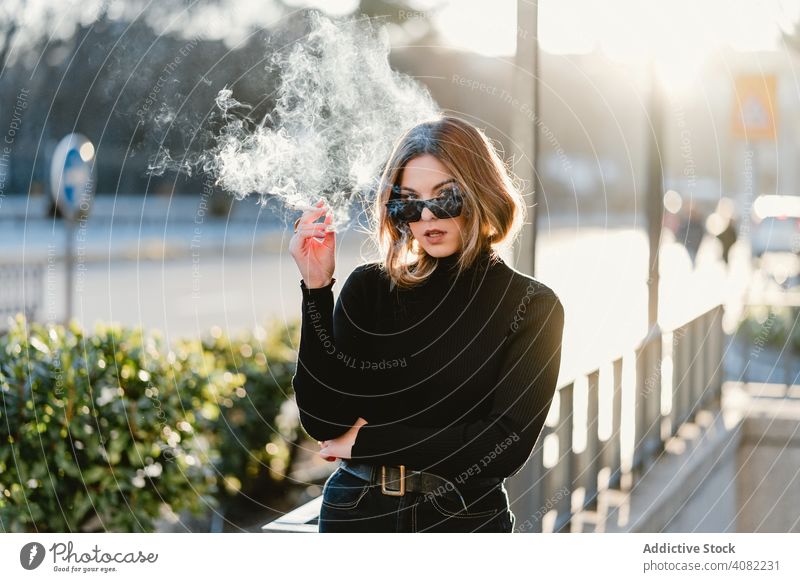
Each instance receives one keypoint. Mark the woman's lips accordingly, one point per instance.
(435, 235)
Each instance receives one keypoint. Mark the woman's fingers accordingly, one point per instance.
(311, 228)
(307, 227)
(316, 230)
(310, 216)
(325, 454)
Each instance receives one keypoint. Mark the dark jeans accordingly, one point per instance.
(350, 504)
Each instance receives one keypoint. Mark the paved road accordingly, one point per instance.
(599, 273)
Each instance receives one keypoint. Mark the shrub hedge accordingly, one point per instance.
(111, 430)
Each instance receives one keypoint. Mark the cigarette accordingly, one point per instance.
(305, 207)
(328, 227)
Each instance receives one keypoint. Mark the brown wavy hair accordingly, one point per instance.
(494, 210)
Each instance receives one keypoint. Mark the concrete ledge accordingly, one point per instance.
(304, 519)
(768, 482)
(681, 490)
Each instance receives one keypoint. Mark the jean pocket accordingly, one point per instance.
(447, 514)
(343, 490)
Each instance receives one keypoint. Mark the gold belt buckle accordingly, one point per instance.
(394, 492)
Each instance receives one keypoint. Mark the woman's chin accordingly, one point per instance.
(439, 251)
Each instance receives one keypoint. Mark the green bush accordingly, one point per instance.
(774, 327)
(112, 430)
(258, 423)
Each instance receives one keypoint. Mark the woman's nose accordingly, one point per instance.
(427, 214)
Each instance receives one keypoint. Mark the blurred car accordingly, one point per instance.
(775, 224)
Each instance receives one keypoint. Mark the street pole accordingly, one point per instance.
(654, 193)
(647, 421)
(526, 489)
(72, 186)
(69, 266)
(524, 124)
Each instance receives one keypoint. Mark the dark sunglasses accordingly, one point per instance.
(402, 210)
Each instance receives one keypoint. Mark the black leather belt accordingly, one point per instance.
(397, 480)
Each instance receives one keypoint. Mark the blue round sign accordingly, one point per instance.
(72, 175)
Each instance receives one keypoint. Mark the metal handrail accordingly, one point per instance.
(21, 290)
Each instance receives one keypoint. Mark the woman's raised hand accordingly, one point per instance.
(314, 247)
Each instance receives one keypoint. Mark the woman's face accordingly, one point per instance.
(425, 177)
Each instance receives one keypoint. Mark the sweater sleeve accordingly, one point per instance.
(500, 444)
(322, 388)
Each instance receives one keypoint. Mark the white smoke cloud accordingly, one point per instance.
(339, 110)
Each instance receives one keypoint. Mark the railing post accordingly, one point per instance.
(589, 459)
(680, 341)
(655, 355)
(699, 374)
(560, 475)
(537, 487)
(647, 427)
(716, 356)
(611, 448)
(685, 388)
(526, 489)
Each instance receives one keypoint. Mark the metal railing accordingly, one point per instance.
(21, 290)
(675, 374)
(660, 384)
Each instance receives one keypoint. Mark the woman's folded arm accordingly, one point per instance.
(331, 391)
(320, 383)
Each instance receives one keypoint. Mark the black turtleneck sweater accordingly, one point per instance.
(453, 375)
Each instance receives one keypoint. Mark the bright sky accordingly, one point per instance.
(487, 28)
(624, 29)
(677, 31)
(674, 26)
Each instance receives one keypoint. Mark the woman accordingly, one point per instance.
(431, 376)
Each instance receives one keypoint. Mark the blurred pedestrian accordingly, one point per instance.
(691, 232)
(728, 238)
